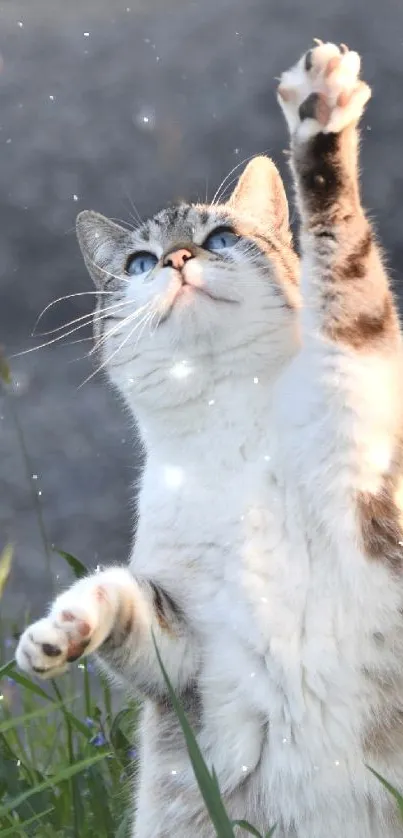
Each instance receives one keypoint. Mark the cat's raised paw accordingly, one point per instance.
(323, 93)
(79, 622)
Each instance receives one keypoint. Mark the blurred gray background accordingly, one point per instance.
(107, 104)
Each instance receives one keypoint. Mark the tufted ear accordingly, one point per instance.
(103, 245)
(260, 194)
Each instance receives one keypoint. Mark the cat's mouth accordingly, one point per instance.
(189, 290)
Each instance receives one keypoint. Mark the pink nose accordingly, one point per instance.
(177, 258)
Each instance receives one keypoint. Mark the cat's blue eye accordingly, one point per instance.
(141, 263)
(221, 239)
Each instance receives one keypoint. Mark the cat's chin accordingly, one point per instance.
(191, 295)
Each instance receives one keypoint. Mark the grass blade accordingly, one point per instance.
(34, 688)
(5, 374)
(14, 721)
(30, 686)
(398, 797)
(21, 827)
(60, 777)
(76, 566)
(123, 830)
(247, 828)
(207, 782)
(6, 668)
(6, 558)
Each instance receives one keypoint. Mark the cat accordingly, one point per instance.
(204, 317)
(275, 592)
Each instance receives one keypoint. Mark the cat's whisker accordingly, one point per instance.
(107, 361)
(137, 217)
(108, 274)
(218, 192)
(56, 339)
(61, 299)
(88, 316)
(118, 327)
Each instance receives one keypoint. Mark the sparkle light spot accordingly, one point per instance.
(52, 98)
(244, 768)
(256, 380)
(336, 762)
(81, 666)
(40, 493)
(145, 118)
(211, 402)
(174, 772)
(173, 476)
(266, 457)
(86, 34)
(20, 24)
(34, 477)
(180, 370)
(252, 675)
(263, 599)
(75, 197)
(285, 741)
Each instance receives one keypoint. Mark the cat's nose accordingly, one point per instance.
(177, 258)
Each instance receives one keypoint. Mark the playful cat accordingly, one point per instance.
(202, 322)
(267, 558)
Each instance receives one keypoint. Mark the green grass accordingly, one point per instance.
(68, 755)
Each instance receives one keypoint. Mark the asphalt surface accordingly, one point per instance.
(122, 107)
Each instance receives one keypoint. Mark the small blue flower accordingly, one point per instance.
(89, 722)
(98, 740)
(132, 753)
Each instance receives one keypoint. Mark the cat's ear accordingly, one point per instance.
(103, 244)
(260, 194)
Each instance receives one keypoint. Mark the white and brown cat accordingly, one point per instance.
(268, 555)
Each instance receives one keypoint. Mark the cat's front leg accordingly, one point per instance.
(115, 615)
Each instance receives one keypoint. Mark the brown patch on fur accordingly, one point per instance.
(166, 610)
(75, 651)
(380, 520)
(364, 328)
(327, 172)
(384, 736)
(355, 266)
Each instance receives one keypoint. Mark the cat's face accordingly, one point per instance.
(194, 282)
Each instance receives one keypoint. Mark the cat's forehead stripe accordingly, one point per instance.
(178, 222)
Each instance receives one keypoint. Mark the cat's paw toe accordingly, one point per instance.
(49, 645)
(44, 649)
(323, 93)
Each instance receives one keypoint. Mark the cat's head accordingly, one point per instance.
(208, 285)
